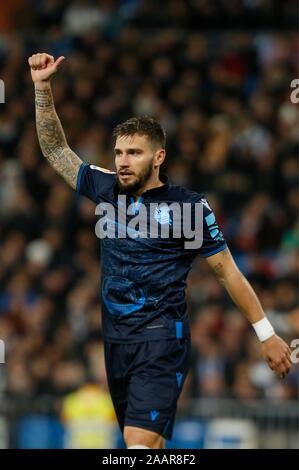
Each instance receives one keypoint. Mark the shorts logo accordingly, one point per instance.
(154, 415)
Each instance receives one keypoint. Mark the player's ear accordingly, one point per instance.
(159, 157)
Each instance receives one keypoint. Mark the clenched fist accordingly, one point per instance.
(43, 66)
(278, 355)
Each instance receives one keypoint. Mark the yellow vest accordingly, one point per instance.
(89, 418)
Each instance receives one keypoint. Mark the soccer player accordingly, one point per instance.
(145, 323)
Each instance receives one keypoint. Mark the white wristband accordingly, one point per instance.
(263, 328)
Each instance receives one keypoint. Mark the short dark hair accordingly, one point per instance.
(143, 125)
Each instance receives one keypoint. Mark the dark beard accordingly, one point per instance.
(140, 181)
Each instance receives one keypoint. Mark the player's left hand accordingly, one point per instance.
(278, 355)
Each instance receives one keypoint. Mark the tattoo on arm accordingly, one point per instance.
(43, 99)
(222, 263)
(52, 139)
(218, 269)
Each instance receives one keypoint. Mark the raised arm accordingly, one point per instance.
(275, 351)
(49, 130)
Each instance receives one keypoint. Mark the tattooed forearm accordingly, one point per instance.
(43, 99)
(52, 139)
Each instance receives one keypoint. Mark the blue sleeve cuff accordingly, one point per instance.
(220, 248)
(78, 186)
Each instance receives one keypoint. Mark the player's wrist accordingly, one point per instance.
(263, 329)
(42, 85)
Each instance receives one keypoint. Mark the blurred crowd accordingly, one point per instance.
(224, 100)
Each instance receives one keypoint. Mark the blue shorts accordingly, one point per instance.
(145, 381)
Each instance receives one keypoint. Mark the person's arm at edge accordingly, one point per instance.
(275, 351)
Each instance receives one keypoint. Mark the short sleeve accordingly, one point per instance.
(94, 181)
(213, 239)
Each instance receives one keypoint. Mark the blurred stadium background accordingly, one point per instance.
(217, 75)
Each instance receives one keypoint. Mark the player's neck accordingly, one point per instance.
(150, 184)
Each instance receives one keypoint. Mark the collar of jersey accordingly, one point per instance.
(153, 192)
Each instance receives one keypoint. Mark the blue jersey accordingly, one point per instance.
(143, 280)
